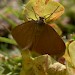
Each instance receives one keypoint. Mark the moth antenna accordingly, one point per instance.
(34, 13)
(52, 12)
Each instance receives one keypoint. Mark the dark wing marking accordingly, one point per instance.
(49, 42)
(23, 34)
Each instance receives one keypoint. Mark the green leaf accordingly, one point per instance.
(7, 40)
